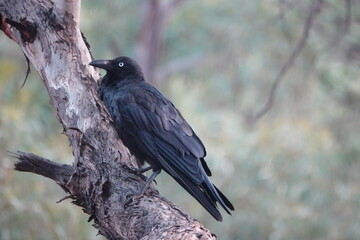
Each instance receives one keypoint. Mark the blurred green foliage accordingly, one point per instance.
(293, 174)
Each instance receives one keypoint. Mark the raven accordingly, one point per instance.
(154, 131)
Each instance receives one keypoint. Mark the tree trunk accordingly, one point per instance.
(101, 178)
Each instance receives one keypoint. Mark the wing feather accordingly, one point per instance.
(162, 130)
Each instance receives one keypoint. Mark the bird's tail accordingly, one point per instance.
(206, 193)
(216, 195)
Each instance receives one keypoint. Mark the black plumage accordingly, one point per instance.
(154, 131)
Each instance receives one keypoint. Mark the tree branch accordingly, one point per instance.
(314, 11)
(68, 6)
(28, 162)
(347, 21)
(101, 179)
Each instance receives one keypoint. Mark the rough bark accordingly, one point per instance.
(101, 178)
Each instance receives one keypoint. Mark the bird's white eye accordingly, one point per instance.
(121, 64)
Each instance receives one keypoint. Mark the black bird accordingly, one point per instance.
(154, 131)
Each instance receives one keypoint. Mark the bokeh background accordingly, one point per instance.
(291, 166)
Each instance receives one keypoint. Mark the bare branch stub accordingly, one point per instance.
(26, 29)
(5, 28)
(28, 162)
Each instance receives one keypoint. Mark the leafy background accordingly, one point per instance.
(292, 174)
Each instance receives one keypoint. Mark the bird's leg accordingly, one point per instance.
(143, 189)
(144, 169)
(149, 180)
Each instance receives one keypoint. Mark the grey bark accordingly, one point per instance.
(101, 178)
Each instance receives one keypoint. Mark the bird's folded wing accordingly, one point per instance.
(161, 131)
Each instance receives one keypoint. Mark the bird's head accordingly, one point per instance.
(120, 68)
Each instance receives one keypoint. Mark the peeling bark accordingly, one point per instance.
(101, 178)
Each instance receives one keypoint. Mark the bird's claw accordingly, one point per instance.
(141, 170)
(137, 171)
(131, 198)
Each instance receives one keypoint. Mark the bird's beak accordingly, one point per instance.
(104, 64)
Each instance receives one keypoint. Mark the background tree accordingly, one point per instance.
(294, 172)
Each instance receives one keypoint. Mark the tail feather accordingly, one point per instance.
(199, 194)
(226, 201)
(212, 190)
(206, 193)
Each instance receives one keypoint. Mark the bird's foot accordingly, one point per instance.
(132, 198)
(142, 169)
